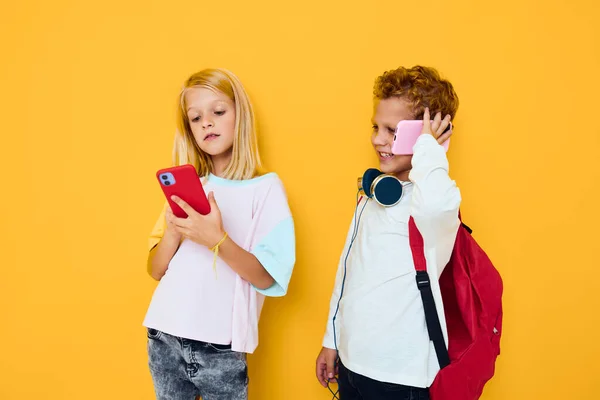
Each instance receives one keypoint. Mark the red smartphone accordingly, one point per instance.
(183, 181)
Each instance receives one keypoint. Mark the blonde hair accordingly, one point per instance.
(245, 160)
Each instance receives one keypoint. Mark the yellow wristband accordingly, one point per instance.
(215, 248)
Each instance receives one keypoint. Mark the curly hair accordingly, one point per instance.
(420, 86)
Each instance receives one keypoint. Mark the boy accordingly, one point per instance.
(380, 331)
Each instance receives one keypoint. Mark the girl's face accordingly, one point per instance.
(211, 116)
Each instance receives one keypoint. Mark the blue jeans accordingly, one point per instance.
(353, 386)
(184, 369)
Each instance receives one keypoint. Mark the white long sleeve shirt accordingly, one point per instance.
(380, 326)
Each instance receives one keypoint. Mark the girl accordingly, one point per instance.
(202, 321)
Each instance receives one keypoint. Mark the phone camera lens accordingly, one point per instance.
(167, 183)
(164, 177)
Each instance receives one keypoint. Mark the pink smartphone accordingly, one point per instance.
(407, 133)
(183, 182)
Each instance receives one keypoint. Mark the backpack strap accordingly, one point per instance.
(434, 327)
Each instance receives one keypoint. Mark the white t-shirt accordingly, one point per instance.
(380, 326)
(193, 302)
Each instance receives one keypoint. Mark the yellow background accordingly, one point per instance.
(88, 92)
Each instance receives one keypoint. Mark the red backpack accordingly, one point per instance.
(471, 290)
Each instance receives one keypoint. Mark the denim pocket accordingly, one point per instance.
(153, 333)
(219, 348)
(401, 392)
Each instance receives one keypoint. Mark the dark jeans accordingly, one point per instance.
(184, 369)
(357, 387)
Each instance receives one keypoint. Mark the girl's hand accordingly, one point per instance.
(171, 230)
(436, 127)
(206, 230)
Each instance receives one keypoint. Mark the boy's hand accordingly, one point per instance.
(436, 127)
(327, 368)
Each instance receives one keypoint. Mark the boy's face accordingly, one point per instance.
(386, 115)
